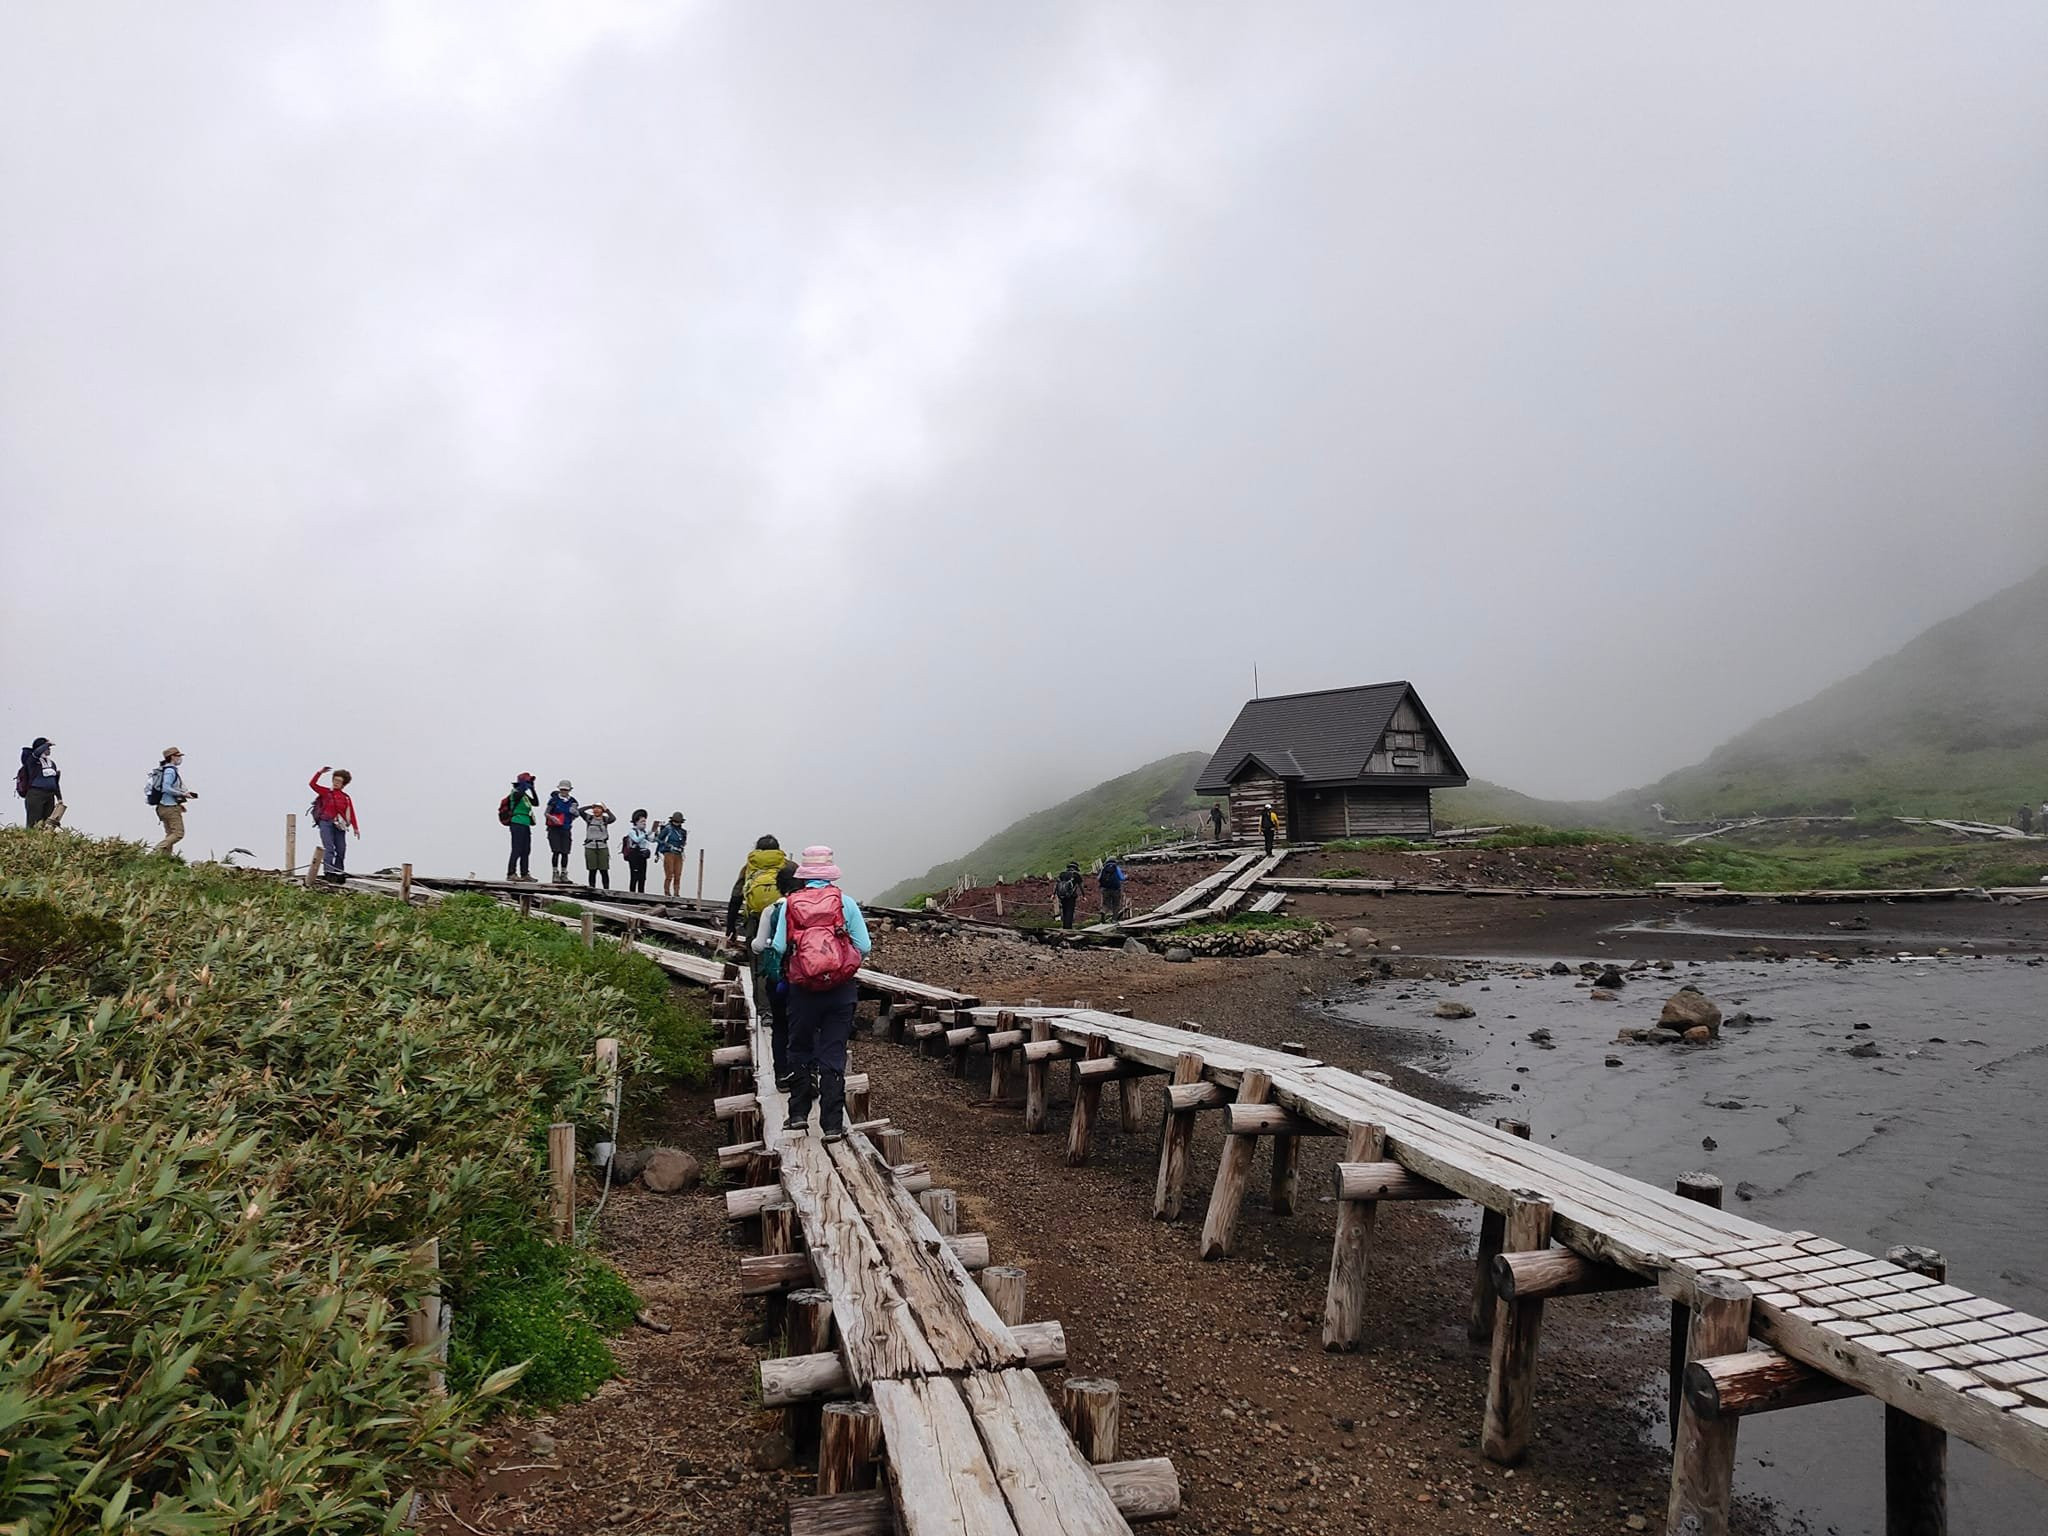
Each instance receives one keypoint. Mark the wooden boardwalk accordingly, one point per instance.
(1766, 1319)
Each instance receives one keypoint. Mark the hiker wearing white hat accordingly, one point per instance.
(821, 938)
(561, 817)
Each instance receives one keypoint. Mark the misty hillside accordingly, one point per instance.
(1483, 804)
(1113, 814)
(1955, 723)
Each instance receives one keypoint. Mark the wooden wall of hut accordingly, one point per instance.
(1323, 815)
(1250, 796)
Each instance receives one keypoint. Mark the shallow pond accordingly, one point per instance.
(1936, 1140)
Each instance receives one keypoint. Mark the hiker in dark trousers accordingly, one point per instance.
(638, 846)
(335, 813)
(1216, 823)
(2026, 821)
(1111, 881)
(561, 817)
(597, 844)
(754, 891)
(1066, 890)
(1269, 827)
(38, 783)
(671, 842)
(517, 812)
(774, 986)
(821, 938)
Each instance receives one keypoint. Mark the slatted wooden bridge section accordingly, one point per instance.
(1763, 1320)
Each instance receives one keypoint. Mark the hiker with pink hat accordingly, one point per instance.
(820, 938)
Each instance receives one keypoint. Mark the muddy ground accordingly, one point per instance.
(1030, 900)
(1221, 1363)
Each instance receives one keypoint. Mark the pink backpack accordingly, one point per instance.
(821, 953)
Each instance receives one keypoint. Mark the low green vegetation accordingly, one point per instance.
(1253, 922)
(1372, 845)
(1158, 798)
(1551, 837)
(231, 1112)
(1834, 866)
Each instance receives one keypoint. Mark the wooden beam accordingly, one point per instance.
(1242, 1119)
(1511, 1379)
(1381, 1180)
(1226, 1200)
(1344, 1302)
(1178, 1134)
(1556, 1272)
(1703, 1459)
(1757, 1381)
(1141, 1490)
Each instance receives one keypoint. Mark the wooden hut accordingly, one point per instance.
(1344, 762)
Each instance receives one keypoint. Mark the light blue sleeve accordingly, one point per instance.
(856, 924)
(777, 939)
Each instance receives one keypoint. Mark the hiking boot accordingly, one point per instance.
(832, 1104)
(803, 1093)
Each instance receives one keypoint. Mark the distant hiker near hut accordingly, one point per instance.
(1066, 891)
(597, 843)
(39, 784)
(517, 812)
(1269, 827)
(335, 814)
(671, 842)
(168, 792)
(560, 816)
(1216, 822)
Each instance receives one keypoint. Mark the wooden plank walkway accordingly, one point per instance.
(1836, 1322)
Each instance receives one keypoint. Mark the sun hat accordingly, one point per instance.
(172, 752)
(816, 864)
(565, 784)
(524, 778)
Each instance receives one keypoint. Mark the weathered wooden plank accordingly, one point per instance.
(1050, 1488)
(940, 1479)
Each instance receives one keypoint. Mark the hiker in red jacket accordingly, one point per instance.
(334, 811)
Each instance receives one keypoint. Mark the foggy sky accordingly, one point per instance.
(868, 423)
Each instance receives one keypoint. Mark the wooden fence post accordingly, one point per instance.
(405, 883)
(943, 1207)
(1915, 1452)
(291, 844)
(589, 931)
(1706, 1189)
(1344, 1304)
(562, 1176)
(807, 1328)
(423, 1325)
(700, 874)
(849, 1441)
(1703, 1456)
(1087, 1098)
(1511, 1382)
(1035, 1075)
(1491, 1225)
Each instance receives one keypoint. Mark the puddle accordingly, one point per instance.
(1934, 1140)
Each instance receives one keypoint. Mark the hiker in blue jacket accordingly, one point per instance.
(561, 817)
(39, 783)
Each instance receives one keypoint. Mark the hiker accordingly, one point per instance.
(1111, 879)
(2044, 817)
(517, 811)
(821, 939)
(39, 784)
(167, 792)
(638, 847)
(774, 985)
(1216, 823)
(560, 817)
(1269, 828)
(670, 842)
(336, 814)
(597, 843)
(2026, 821)
(1066, 890)
(754, 891)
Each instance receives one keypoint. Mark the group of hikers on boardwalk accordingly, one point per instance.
(808, 939)
(522, 809)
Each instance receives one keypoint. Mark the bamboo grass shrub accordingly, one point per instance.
(230, 1111)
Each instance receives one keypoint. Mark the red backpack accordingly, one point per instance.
(821, 953)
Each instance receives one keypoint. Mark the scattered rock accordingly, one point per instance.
(1689, 1008)
(1866, 1049)
(541, 1445)
(1180, 954)
(1863, 1025)
(1136, 947)
(627, 1163)
(1614, 1061)
(1600, 995)
(1662, 1036)
(772, 1453)
(1699, 1034)
(1362, 938)
(1610, 978)
(670, 1171)
(1542, 1037)
(1666, 965)
(1746, 1191)
(1709, 1143)
(1559, 968)
(1451, 1010)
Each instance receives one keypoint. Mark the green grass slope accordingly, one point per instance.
(1113, 814)
(1955, 723)
(1482, 804)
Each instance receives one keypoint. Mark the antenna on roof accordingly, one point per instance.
(1255, 679)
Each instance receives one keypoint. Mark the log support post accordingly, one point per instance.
(1003, 1285)
(849, 1441)
(999, 1059)
(1286, 1185)
(1706, 1189)
(562, 1178)
(1518, 1325)
(1491, 1225)
(423, 1325)
(405, 883)
(1915, 1452)
(1178, 1135)
(1091, 1408)
(589, 931)
(890, 1144)
(1233, 1172)
(1087, 1099)
(1703, 1456)
(1035, 1074)
(291, 844)
(1344, 1304)
(943, 1207)
(807, 1329)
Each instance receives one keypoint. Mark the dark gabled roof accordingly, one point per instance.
(1313, 738)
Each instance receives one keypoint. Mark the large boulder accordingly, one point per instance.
(1451, 1010)
(1179, 954)
(1361, 938)
(1690, 1008)
(627, 1162)
(670, 1171)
